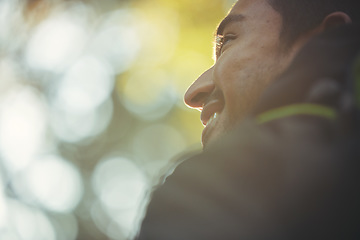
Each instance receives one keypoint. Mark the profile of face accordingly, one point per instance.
(248, 57)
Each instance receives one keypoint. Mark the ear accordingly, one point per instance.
(335, 19)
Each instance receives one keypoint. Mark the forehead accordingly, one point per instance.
(254, 19)
(256, 9)
(243, 5)
(254, 12)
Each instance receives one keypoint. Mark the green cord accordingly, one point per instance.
(296, 109)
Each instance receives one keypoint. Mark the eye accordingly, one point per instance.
(227, 38)
(221, 41)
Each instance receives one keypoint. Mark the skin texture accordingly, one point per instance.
(251, 57)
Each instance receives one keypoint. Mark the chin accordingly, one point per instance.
(210, 138)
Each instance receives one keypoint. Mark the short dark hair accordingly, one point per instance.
(301, 16)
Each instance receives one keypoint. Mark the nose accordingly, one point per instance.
(200, 90)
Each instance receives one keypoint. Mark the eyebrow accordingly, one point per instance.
(226, 21)
(220, 29)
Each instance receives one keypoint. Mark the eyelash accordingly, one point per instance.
(221, 41)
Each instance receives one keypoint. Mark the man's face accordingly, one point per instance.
(249, 57)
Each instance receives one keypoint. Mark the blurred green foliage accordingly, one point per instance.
(97, 88)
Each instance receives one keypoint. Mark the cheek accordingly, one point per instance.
(243, 77)
(236, 75)
(230, 69)
(242, 81)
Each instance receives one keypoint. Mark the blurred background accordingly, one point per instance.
(91, 109)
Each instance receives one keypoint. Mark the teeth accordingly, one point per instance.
(212, 118)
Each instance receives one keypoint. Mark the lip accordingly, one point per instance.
(205, 136)
(212, 107)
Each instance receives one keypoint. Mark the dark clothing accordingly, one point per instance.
(294, 177)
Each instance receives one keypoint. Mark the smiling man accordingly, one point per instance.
(282, 130)
(249, 55)
(253, 46)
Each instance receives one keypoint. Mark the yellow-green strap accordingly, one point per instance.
(296, 109)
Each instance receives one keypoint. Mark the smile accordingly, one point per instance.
(210, 126)
(210, 115)
(212, 118)
(211, 111)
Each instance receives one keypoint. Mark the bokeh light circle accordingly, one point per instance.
(55, 183)
(119, 183)
(26, 223)
(121, 188)
(57, 41)
(23, 125)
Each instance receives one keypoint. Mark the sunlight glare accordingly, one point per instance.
(70, 126)
(55, 184)
(85, 86)
(117, 28)
(3, 205)
(23, 125)
(12, 25)
(56, 43)
(119, 183)
(29, 223)
(149, 94)
(9, 71)
(66, 226)
(121, 187)
(156, 145)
